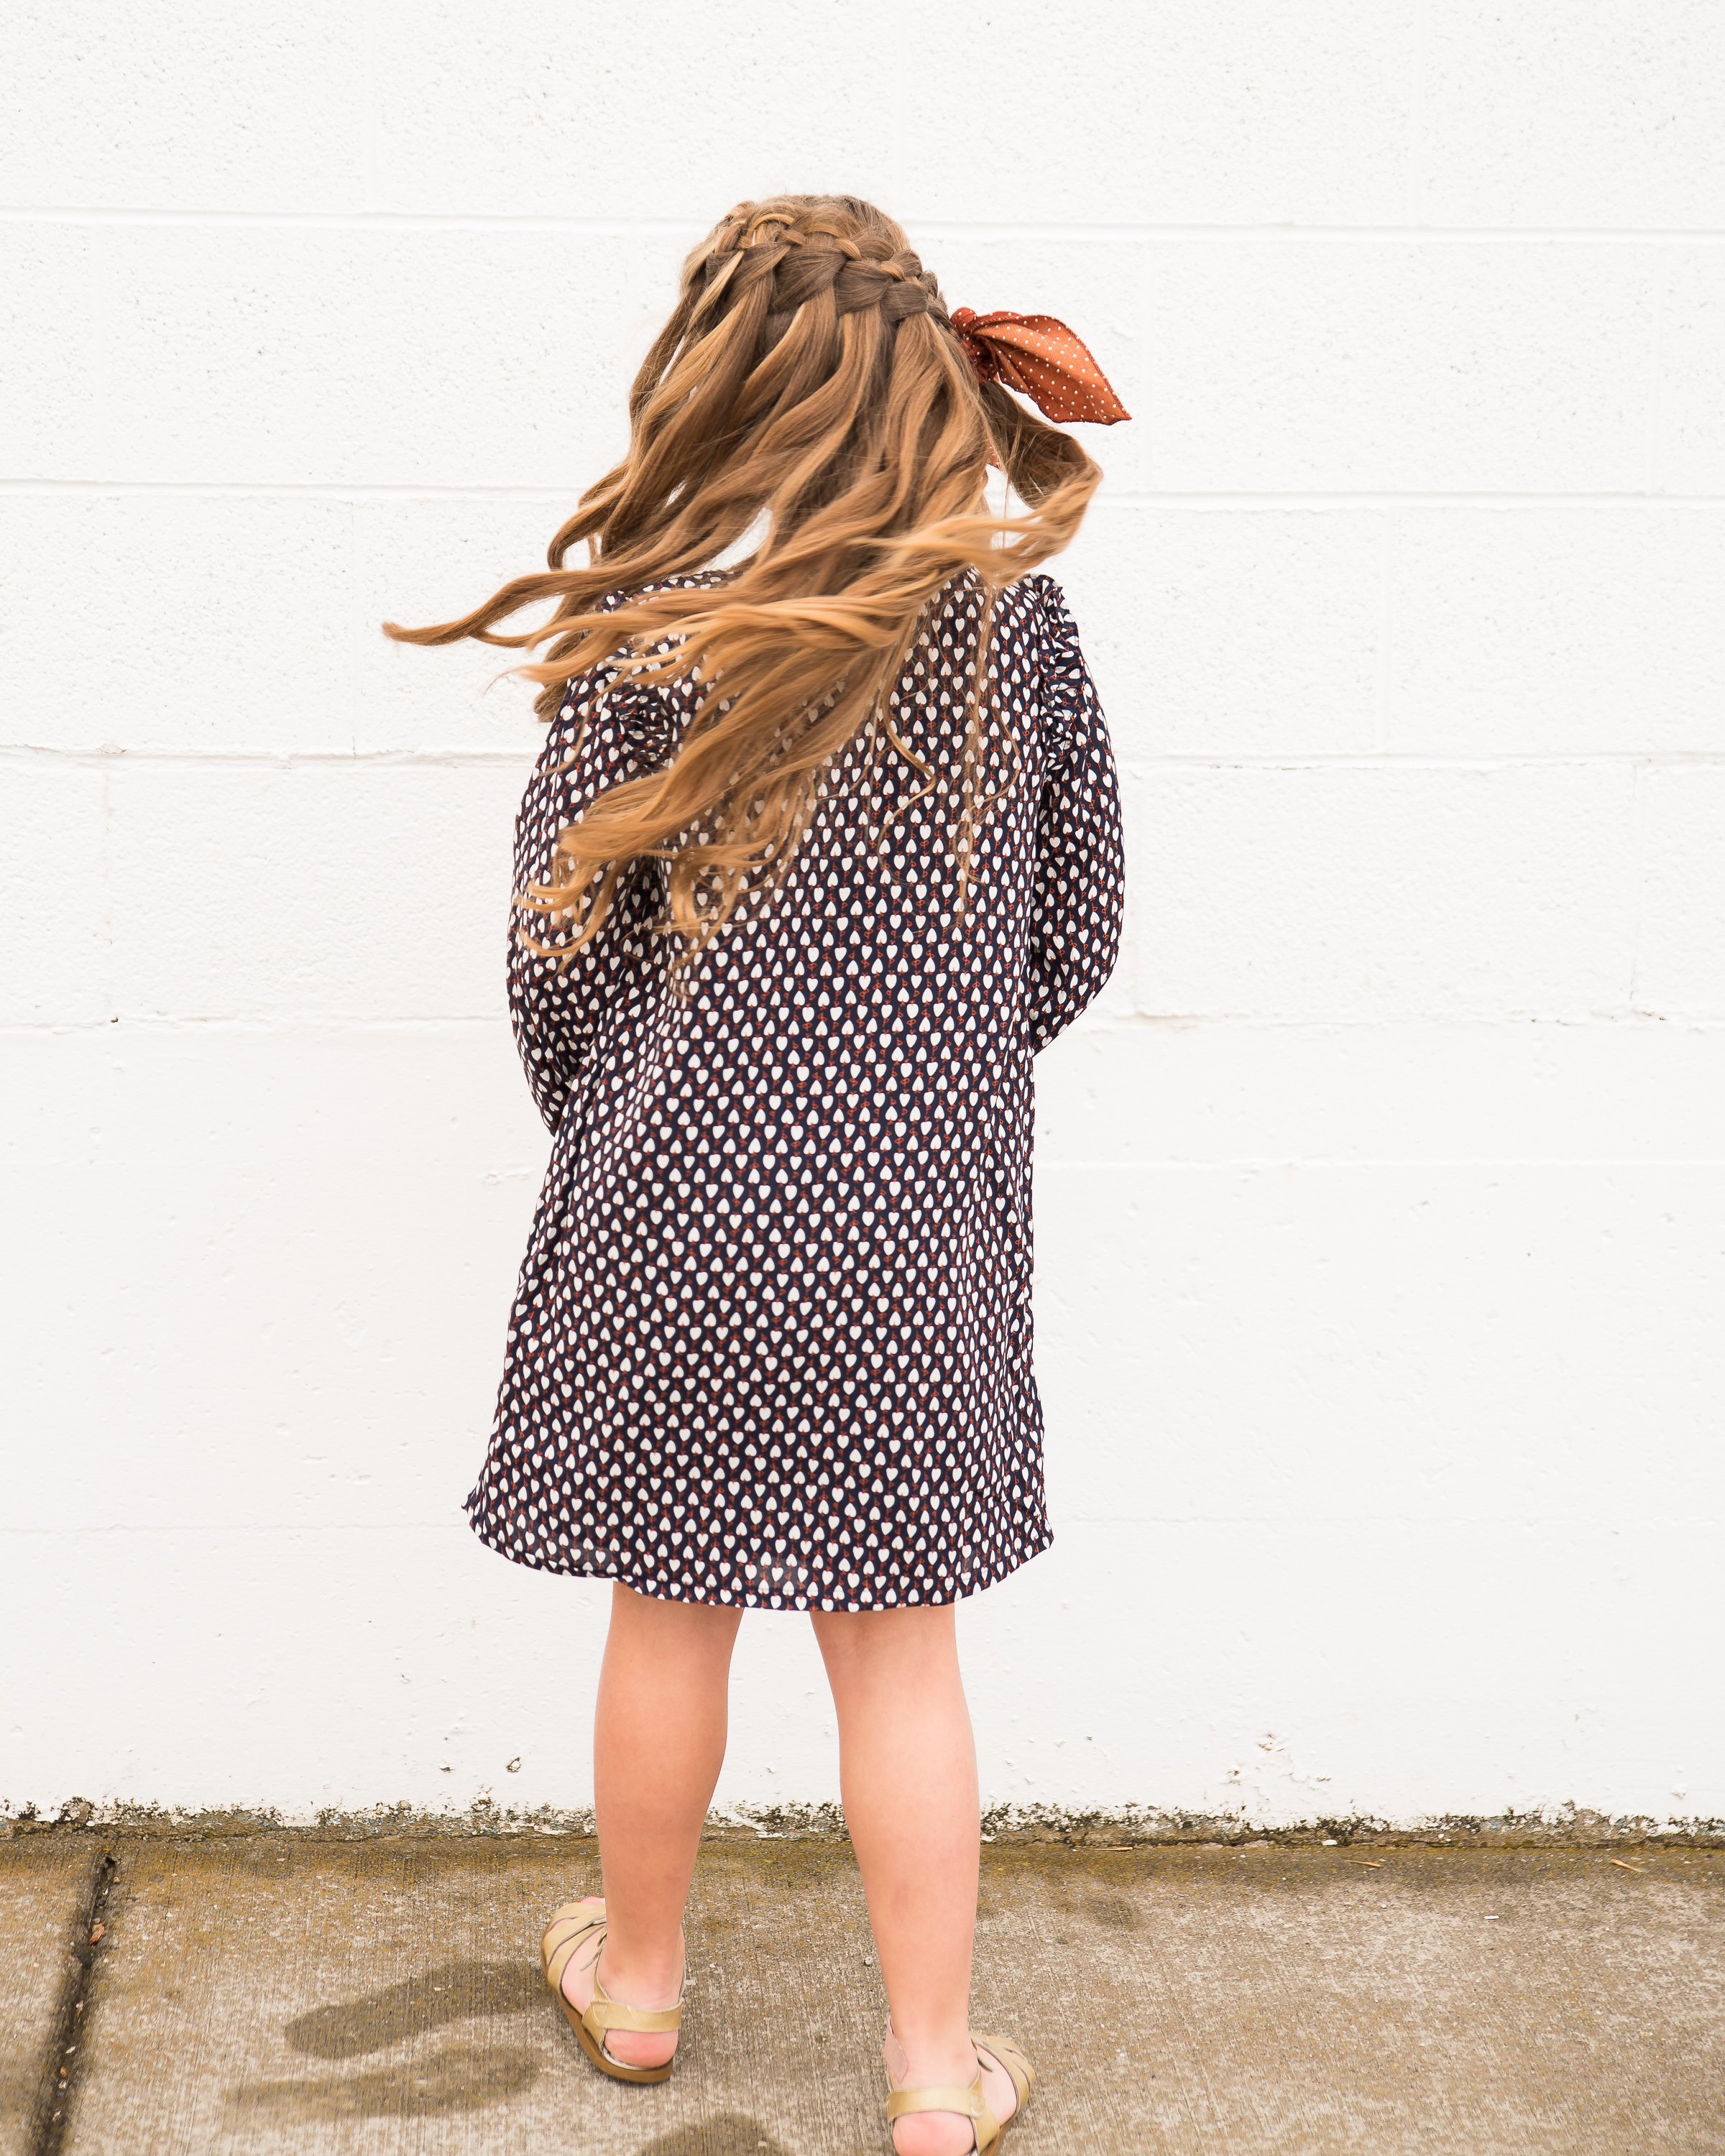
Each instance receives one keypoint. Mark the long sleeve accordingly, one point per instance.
(1075, 936)
(602, 736)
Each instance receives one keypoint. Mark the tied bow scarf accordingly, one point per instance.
(1043, 360)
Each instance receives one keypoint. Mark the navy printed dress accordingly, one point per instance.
(772, 1342)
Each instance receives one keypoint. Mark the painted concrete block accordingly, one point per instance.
(1218, 632)
(250, 355)
(1359, 366)
(1259, 1094)
(309, 1241)
(1339, 892)
(1688, 431)
(1550, 115)
(56, 946)
(261, 354)
(240, 1669)
(1209, 632)
(1216, 116)
(1535, 632)
(181, 621)
(1280, 1672)
(1378, 1273)
(188, 105)
(223, 621)
(1430, 1342)
(421, 559)
(1352, 1666)
(1207, 116)
(220, 621)
(1680, 967)
(267, 889)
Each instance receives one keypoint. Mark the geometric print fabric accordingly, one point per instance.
(772, 1341)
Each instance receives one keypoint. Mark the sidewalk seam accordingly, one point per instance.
(67, 2050)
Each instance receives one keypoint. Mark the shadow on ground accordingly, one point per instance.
(454, 1991)
(459, 2077)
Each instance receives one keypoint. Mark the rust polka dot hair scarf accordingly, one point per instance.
(1042, 359)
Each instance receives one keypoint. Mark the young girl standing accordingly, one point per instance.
(822, 847)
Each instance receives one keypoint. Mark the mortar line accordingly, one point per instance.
(1222, 759)
(255, 1024)
(1315, 498)
(68, 2051)
(936, 229)
(1259, 1163)
(1218, 498)
(107, 757)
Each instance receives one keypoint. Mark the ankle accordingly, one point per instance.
(936, 2057)
(650, 1976)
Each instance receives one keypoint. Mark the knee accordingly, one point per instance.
(696, 1626)
(858, 1638)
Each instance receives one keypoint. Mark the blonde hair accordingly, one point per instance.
(810, 380)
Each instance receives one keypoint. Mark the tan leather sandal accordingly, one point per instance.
(987, 2130)
(571, 1928)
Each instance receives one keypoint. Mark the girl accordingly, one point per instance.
(822, 847)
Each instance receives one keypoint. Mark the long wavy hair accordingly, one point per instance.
(809, 383)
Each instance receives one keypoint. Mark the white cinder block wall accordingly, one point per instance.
(1380, 1202)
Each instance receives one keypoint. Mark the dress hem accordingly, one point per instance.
(779, 1604)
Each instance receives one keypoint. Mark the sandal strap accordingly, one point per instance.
(570, 1922)
(557, 1958)
(967, 2102)
(608, 2013)
(582, 1911)
(572, 1927)
(1006, 2054)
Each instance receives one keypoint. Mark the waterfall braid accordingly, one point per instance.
(808, 377)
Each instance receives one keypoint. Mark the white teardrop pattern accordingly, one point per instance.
(772, 1342)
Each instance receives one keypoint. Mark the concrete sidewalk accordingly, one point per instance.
(278, 1992)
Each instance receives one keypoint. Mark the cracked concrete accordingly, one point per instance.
(278, 1992)
(44, 1887)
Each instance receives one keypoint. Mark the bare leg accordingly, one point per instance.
(659, 1742)
(907, 1774)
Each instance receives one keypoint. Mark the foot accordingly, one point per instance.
(629, 2047)
(944, 2133)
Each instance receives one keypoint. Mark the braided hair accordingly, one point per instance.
(808, 382)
